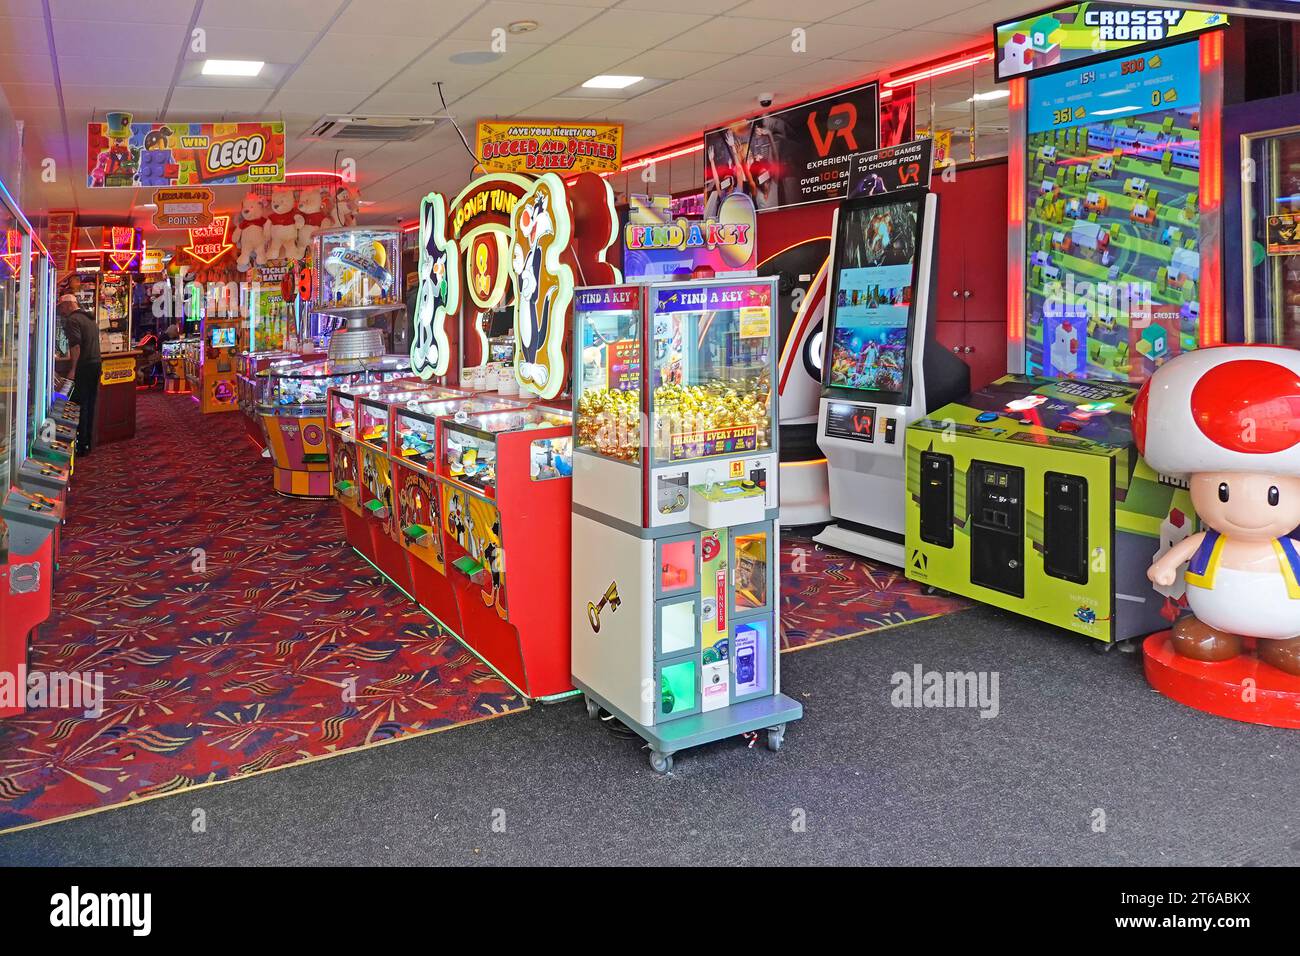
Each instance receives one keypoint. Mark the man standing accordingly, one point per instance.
(84, 354)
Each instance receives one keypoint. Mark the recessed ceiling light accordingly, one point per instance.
(609, 81)
(990, 95)
(523, 26)
(232, 67)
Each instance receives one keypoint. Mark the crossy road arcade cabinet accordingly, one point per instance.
(882, 368)
(675, 613)
(1029, 494)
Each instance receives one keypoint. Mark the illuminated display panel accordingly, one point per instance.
(873, 299)
(1113, 216)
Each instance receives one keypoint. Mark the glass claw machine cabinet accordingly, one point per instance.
(292, 408)
(505, 482)
(675, 610)
(416, 436)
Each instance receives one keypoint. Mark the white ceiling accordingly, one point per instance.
(64, 63)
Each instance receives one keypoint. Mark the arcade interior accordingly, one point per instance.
(659, 422)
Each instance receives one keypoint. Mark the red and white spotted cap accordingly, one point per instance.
(1229, 408)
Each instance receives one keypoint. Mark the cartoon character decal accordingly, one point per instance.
(543, 284)
(417, 505)
(439, 290)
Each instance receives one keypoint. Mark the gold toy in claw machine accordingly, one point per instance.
(674, 522)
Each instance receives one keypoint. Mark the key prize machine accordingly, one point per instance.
(882, 367)
(1030, 494)
(675, 610)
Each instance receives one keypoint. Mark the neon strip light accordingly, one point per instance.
(1211, 198)
(1016, 218)
(962, 62)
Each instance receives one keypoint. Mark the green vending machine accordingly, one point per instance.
(1030, 495)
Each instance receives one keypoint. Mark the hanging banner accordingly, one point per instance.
(123, 244)
(890, 169)
(120, 153)
(525, 146)
(58, 238)
(182, 208)
(793, 156)
(656, 247)
(1078, 33)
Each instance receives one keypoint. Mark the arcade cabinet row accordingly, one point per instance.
(37, 442)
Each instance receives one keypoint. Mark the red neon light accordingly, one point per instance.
(209, 244)
(1016, 217)
(961, 62)
(1211, 198)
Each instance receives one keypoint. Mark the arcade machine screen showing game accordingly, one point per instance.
(1113, 222)
(872, 310)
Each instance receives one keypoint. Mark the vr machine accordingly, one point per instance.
(882, 368)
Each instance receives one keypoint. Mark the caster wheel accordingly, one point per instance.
(593, 708)
(1102, 647)
(1129, 647)
(660, 762)
(775, 737)
(933, 591)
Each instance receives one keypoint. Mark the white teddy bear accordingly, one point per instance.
(250, 232)
(285, 223)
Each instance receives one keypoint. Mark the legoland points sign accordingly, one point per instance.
(523, 146)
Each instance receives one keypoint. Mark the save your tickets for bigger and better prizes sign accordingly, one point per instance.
(525, 146)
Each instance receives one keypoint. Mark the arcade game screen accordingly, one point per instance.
(873, 296)
(1113, 224)
(223, 338)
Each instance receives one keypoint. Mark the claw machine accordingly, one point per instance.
(416, 430)
(674, 611)
(504, 481)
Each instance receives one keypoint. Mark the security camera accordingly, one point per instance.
(765, 99)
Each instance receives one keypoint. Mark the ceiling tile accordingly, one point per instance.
(572, 58)
(24, 36)
(316, 102)
(237, 43)
(709, 7)
(891, 13)
(141, 100)
(25, 97)
(651, 28)
(403, 17)
(129, 40)
(26, 67)
(781, 9)
(554, 21)
(459, 78)
(299, 15)
(667, 64)
(826, 40)
(234, 104)
(527, 90)
(32, 9)
(102, 69)
(733, 35)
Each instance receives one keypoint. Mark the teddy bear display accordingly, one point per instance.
(1228, 419)
(285, 221)
(311, 207)
(250, 235)
(346, 203)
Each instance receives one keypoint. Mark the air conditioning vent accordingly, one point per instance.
(372, 129)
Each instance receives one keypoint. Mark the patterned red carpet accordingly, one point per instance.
(234, 630)
(827, 595)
